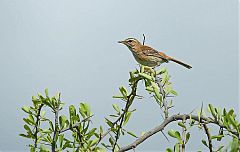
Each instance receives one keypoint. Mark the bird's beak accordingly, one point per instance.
(120, 41)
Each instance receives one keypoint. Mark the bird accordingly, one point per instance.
(147, 56)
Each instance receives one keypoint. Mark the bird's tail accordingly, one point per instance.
(179, 62)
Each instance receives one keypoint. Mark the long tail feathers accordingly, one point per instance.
(181, 63)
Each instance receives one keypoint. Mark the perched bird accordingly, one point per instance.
(148, 56)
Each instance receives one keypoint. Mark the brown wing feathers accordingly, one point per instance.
(152, 52)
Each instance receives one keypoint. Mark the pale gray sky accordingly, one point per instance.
(71, 47)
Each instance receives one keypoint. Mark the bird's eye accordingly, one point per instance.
(129, 41)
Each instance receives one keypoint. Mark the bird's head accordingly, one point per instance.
(131, 43)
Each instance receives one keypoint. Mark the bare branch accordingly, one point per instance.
(209, 137)
(165, 123)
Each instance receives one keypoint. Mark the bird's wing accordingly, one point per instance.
(152, 52)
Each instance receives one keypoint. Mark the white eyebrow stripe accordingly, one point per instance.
(131, 39)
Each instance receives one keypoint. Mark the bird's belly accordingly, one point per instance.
(150, 61)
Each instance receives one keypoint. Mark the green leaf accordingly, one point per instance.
(131, 74)
(47, 103)
(161, 71)
(115, 106)
(51, 126)
(171, 133)
(61, 137)
(29, 122)
(126, 118)
(111, 140)
(76, 118)
(62, 121)
(212, 110)
(187, 137)
(118, 97)
(27, 128)
(219, 148)
(114, 116)
(199, 116)
(169, 150)
(43, 149)
(165, 78)
(110, 124)
(91, 133)
(150, 89)
(174, 92)
(181, 125)
(72, 112)
(32, 149)
(233, 122)
(67, 145)
(159, 101)
(218, 111)
(146, 76)
(43, 113)
(85, 110)
(101, 130)
(156, 91)
(106, 146)
(46, 131)
(217, 136)
(177, 134)
(204, 142)
(132, 134)
(46, 92)
(94, 141)
(141, 69)
(123, 90)
(177, 147)
(26, 109)
(30, 117)
(26, 136)
(231, 112)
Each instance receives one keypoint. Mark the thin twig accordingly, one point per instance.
(79, 136)
(209, 137)
(184, 135)
(158, 81)
(130, 99)
(55, 133)
(36, 125)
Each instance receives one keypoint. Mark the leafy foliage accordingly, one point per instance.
(49, 130)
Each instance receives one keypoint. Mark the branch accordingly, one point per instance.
(161, 90)
(209, 137)
(173, 118)
(56, 132)
(184, 135)
(36, 125)
(206, 131)
(130, 99)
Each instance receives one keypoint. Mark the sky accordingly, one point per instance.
(71, 47)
